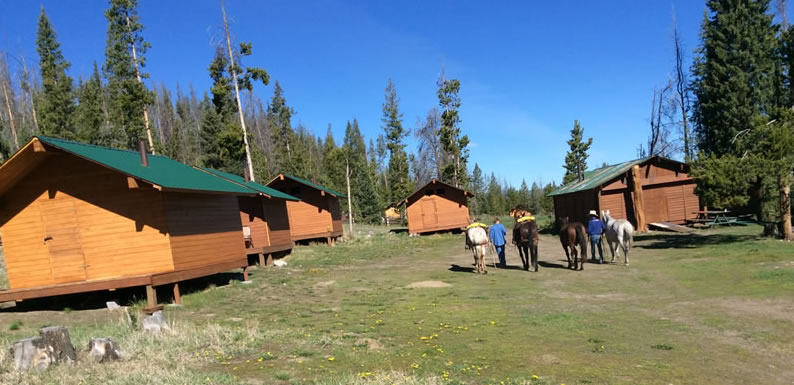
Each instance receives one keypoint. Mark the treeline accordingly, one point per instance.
(497, 198)
(115, 107)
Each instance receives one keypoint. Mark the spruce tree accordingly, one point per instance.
(334, 164)
(479, 204)
(400, 183)
(284, 138)
(576, 159)
(733, 72)
(211, 127)
(495, 197)
(362, 187)
(89, 115)
(56, 101)
(128, 97)
(453, 143)
(525, 197)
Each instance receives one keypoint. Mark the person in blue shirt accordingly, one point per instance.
(594, 230)
(497, 235)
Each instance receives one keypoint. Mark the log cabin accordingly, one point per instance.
(436, 206)
(663, 185)
(264, 218)
(317, 215)
(77, 218)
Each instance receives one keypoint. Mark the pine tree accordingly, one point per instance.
(89, 115)
(453, 143)
(525, 197)
(128, 97)
(576, 159)
(334, 164)
(365, 202)
(284, 138)
(495, 198)
(400, 183)
(733, 72)
(56, 101)
(479, 204)
(535, 198)
(211, 127)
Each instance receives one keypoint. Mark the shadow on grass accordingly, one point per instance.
(688, 241)
(124, 296)
(402, 230)
(552, 265)
(460, 269)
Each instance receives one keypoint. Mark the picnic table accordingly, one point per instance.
(713, 218)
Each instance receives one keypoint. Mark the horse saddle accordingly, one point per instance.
(477, 224)
(525, 219)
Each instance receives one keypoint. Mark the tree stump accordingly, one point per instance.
(32, 353)
(103, 350)
(155, 323)
(57, 337)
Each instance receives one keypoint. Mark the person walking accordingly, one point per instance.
(497, 235)
(594, 230)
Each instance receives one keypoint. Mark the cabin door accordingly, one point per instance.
(429, 215)
(62, 236)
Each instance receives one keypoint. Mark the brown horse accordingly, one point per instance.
(526, 237)
(571, 235)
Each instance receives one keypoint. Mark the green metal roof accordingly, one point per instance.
(310, 184)
(250, 184)
(161, 171)
(596, 178)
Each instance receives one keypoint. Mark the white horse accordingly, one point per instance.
(620, 232)
(477, 241)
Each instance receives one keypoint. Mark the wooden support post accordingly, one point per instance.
(639, 203)
(330, 241)
(245, 273)
(262, 261)
(151, 296)
(177, 296)
(270, 259)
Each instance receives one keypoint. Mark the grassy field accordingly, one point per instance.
(716, 307)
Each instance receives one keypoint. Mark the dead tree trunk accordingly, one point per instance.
(145, 108)
(11, 123)
(237, 94)
(349, 199)
(30, 94)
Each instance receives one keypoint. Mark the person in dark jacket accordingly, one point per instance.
(594, 230)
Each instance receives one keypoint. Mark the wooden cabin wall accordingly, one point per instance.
(576, 206)
(99, 228)
(205, 229)
(437, 209)
(673, 202)
(252, 214)
(277, 221)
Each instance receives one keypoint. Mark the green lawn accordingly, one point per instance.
(716, 307)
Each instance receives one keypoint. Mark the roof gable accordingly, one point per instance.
(432, 182)
(162, 171)
(600, 176)
(270, 192)
(307, 183)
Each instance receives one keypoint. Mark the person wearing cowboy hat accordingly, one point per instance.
(594, 230)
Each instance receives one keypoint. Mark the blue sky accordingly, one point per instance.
(527, 69)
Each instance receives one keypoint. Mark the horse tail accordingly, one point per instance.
(581, 240)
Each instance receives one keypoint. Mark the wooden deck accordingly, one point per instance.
(148, 280)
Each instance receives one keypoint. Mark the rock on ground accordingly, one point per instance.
(103, 350)
(280, 263)
(57, 337)
(155, 323)
(32, 353)
(421, 284)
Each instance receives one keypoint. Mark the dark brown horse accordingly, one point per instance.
(526, 237)
(572, 235)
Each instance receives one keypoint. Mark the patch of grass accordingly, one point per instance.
(661, 347)
(15, 325)
(784, 275)
(282, 376)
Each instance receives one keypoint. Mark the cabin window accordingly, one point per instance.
(440, 191)
(428, 192)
